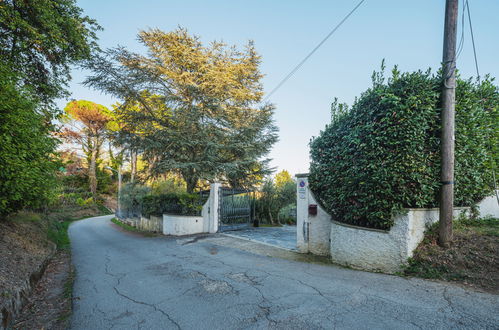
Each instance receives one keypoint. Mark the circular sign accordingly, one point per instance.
(302, 183)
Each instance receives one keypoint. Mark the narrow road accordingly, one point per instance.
(125, 281)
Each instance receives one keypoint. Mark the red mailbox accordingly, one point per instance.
(312, 209)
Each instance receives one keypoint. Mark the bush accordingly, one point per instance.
(131, 198)
(382, 155)
(180, 204)
(288, 214)
(27, 149)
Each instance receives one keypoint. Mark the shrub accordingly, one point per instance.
(382, 155)
(180, 204)
(27, 149)
(131, 198)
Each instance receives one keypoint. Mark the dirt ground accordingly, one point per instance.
(24, 249)
(472, 260)
(49, 307)
(27, 244)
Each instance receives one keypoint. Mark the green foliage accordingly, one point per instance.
(288, 214)
(124, 225)
(131, 198)
(58, 233)
(273, 196)
(27, 165)
(168, 186)
(142, 200)
(179, 204)
(382, 155)
(41, 39)
(190, 108)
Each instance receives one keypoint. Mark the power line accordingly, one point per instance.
(312, 52)
(473, 40)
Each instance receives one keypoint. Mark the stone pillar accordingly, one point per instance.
(210, 210)
(312, 231)
(302, 221)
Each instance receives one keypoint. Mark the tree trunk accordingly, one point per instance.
(92, 175)
(190, 179)
(191, 184)
(133, 164)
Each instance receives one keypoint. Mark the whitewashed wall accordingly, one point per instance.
(489, 207)
(179, 225)
(312, 231)
(378, 250)
(360, 247)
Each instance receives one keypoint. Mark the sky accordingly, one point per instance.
(404, 33)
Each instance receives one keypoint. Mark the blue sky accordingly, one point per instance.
(403, 32)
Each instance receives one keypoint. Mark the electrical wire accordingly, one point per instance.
(479, 83)
(297, 67)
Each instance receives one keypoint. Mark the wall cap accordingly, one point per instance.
(182, 216)
(301, 175)
(360, 228)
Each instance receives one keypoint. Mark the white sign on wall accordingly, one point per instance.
(301, 189)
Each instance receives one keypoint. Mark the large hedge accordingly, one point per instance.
(382, 154)
(27, 150)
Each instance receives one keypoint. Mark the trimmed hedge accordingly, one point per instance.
(179, 204)
(382, 155)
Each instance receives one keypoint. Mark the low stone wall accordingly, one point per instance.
(152, 224)
(179, 225)
(489, 207)
(378, 250)
(134, 222)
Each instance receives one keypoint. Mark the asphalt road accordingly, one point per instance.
(125, 281)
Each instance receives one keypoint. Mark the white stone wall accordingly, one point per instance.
(152, 224)
(489, 207)
(312, 231)
(179, 225)
(378, 250)
(210, 210)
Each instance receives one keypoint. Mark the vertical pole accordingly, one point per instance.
(447, 138)
(119, 192)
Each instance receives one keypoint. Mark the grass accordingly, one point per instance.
(58, 233)
(124, 225)
(472, 259)
(133, 229)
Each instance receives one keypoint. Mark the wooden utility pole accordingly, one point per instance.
(447, 138)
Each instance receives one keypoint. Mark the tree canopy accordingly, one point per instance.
(41, 39)
(86, 125)
(192, 108)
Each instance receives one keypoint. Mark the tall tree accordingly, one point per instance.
(198, 107)
(86, 125)
(27, 151)
(41, 39)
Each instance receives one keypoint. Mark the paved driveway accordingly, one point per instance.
(284, 237)
(126, 281)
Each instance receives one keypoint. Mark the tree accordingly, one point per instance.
(275, 194)
(27, 151)
(41, 39)
(195, 109)
(86, 125)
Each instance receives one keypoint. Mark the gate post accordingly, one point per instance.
(302, 220)
(213, 207)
